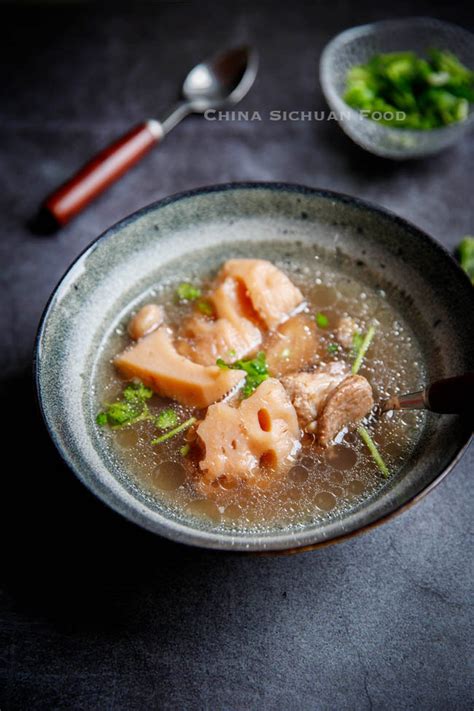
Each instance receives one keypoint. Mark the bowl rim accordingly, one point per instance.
(285, 542)
(332, 96)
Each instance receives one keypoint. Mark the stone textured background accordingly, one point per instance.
(98, 614)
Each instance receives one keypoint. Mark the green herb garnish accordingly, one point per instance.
(184, 450)
(404, 90)
(372, 447)
(176, 430)
(205, 307)
(131, 408)
(333, 348)
(256, 370)
(357, 339)
(166, 419)
(466, 256)
(362, 350)
(322, 320)
(188, 292)
(137, 392)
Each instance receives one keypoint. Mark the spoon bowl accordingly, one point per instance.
(222, 80)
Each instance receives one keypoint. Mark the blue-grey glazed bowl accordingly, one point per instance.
(356, 46)
(419, 277)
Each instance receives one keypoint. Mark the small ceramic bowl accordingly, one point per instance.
(419, 277)
(357, 46)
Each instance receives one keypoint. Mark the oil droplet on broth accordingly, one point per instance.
(204, 508)
(127, 437)
(334, 477)
(323, 296)
(294, 493)
(169, 476)
(232, 512)
(298, 474)
(325, 501)
(356, 487)
(341, 457)
(337, 491)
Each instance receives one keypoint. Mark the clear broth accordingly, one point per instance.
(320, 484)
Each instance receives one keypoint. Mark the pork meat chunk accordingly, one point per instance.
(346, 404)
(308, 391)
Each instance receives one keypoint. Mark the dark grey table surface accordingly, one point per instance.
(97, 614)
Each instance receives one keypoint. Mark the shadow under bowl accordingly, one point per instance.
(419, 277)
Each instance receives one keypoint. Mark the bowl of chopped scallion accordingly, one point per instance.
(401, 88)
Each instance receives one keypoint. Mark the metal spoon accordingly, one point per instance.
(216, 83)
(447, 396)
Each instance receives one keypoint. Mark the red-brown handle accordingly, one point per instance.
(105, 168)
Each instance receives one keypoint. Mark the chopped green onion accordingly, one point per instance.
(372, 447)
(101, 418)
(205, 307)
(166, 419)
(333, 348)
(172, 433)
(188, 292)
(363, 348)
(322, 320)
(407, 91)
(184, 451)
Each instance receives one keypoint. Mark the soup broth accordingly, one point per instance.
(321, 482)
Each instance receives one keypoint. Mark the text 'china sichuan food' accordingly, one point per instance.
(247, 398)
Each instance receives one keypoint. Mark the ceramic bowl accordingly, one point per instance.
(418, 275)
(357, 46)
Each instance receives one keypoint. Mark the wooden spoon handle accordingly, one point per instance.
(451, 395)
(100, 172)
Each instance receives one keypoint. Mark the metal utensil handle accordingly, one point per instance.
(100, 172)
(451, 395)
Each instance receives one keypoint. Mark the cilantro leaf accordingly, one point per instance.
(188, 292)
(256, 370)
(137, 392)
(466, 256)
(129, 409)
(166, 419)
